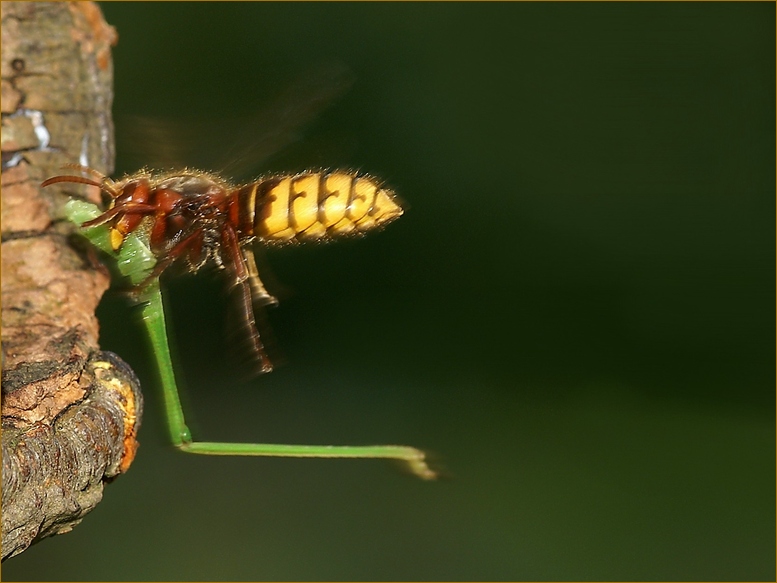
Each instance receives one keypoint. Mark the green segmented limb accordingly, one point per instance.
(135, 261)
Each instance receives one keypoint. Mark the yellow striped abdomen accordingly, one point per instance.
(315, 205)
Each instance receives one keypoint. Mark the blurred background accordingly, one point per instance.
(576, 313)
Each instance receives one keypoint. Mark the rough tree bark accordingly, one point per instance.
(70, 413)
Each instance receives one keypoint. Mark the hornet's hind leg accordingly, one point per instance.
(244, 280)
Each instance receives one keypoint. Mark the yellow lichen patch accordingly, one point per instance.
(125, 398)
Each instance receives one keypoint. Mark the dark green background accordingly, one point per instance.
(576, 313)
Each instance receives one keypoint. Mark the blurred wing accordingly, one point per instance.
(233, 145)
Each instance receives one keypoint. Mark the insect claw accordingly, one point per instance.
(265, 300)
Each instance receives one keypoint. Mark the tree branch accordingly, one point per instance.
(70, 413)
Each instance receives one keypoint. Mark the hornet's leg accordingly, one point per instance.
(260, 293)
(242, 278)
(168, 259)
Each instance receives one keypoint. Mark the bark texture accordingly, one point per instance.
(70, 413)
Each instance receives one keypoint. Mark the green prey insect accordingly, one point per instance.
(137, 262)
